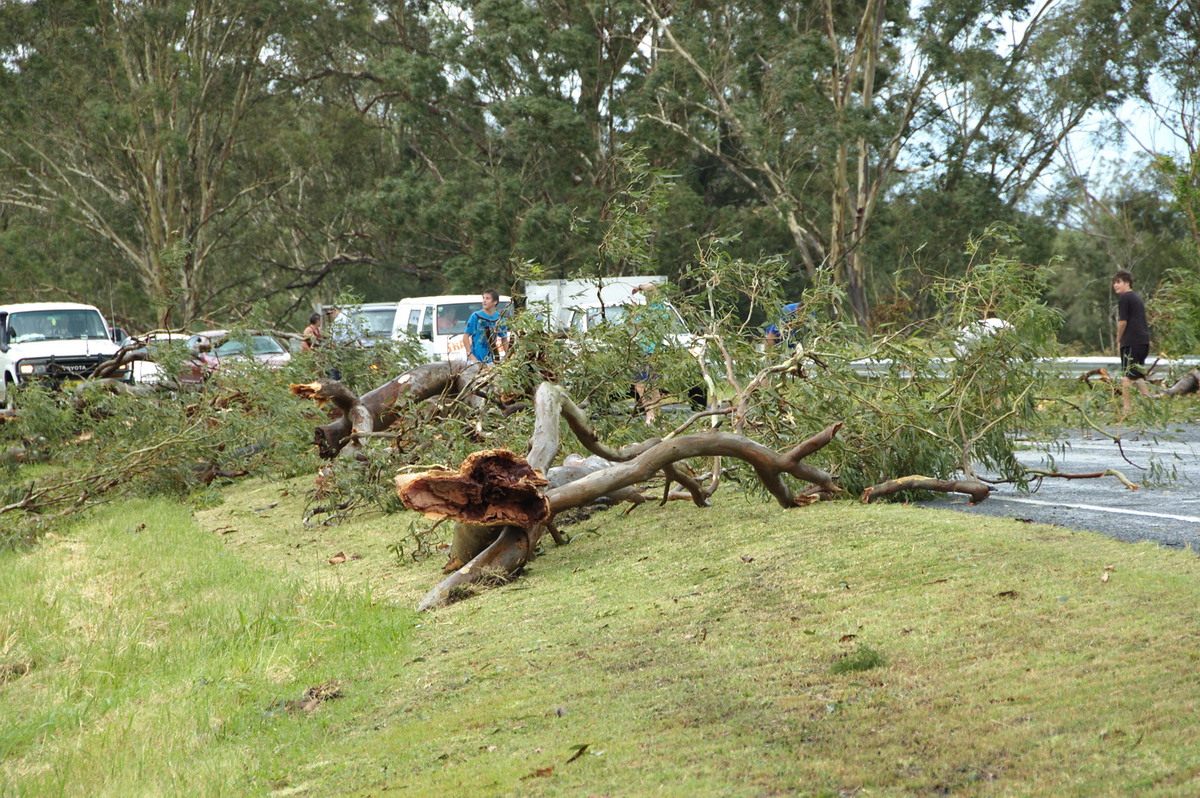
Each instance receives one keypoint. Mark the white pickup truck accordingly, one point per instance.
(50, 342)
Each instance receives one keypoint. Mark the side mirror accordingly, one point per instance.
(117, 335)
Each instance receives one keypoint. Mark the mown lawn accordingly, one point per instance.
(839, 649)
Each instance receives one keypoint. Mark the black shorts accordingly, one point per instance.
(1133, 361)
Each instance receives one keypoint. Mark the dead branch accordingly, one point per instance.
(1109, 472)
(1189, 383)
(377, 409)
(978, 491)
(1100, 373)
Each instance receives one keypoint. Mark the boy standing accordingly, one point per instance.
(1133, 336)
(488, 337)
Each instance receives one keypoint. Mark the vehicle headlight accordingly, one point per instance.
(26, 368)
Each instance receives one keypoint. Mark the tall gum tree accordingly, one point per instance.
(820, 108)
(129, 119)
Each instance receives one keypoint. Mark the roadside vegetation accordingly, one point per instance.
(188, 608)
(739, 650)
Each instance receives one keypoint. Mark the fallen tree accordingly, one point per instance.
(502, 504)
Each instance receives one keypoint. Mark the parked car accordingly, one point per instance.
(213, 350)
(157, 350)
(50, 342)
(363, 324)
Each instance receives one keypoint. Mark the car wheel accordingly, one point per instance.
(10, 394)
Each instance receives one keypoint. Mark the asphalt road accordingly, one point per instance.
(1166, 509)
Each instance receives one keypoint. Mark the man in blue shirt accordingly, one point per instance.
(784, 328)
(488, 336)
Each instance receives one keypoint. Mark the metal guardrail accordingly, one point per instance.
(1072, 367)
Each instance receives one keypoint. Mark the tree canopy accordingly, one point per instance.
(176, 160)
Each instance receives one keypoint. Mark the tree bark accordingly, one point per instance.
(376, 410)
(516, 541)
(978, 491)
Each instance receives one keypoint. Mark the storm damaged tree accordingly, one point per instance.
(840, 413)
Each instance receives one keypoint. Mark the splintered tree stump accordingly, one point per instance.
(491, 488)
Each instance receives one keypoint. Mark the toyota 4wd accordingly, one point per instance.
(50, 342)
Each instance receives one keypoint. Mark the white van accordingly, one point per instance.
(363, 324)
(440, 322)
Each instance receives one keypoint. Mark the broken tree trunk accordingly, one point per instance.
(376, 410)
(978, 491)
(512, 535)
(1189, 383)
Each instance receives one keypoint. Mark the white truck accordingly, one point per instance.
(575, 306)
(439, 322)
(50, 342)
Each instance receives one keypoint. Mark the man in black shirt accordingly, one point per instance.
(1133, 336)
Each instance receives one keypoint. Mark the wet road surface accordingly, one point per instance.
(1166, 509)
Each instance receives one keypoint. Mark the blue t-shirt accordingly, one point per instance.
(786, 321)
(485, 332)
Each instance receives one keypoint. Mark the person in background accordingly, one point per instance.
(446, 320)
(339, 336)
(312, 333)
(784, 329)
(646, 395)
(1133, 337)
(977, 332)
(487, 336)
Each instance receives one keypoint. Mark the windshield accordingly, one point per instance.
(357, 322)
(259, 345)
(374, 322)
(452, 316)
(55, 325)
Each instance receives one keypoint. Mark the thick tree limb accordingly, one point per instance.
(515, 543)
(376, 410)
(1189, 383)
(978, 491)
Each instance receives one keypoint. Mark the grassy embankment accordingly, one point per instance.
(743, 650)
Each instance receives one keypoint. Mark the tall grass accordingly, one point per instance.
(152, 660)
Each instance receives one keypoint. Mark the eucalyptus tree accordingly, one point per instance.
(149, 125)
(500, 125)
(821, 108)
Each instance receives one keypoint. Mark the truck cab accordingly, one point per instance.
(50, 342)
(440, 322)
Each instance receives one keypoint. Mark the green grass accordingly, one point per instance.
(838, 649)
